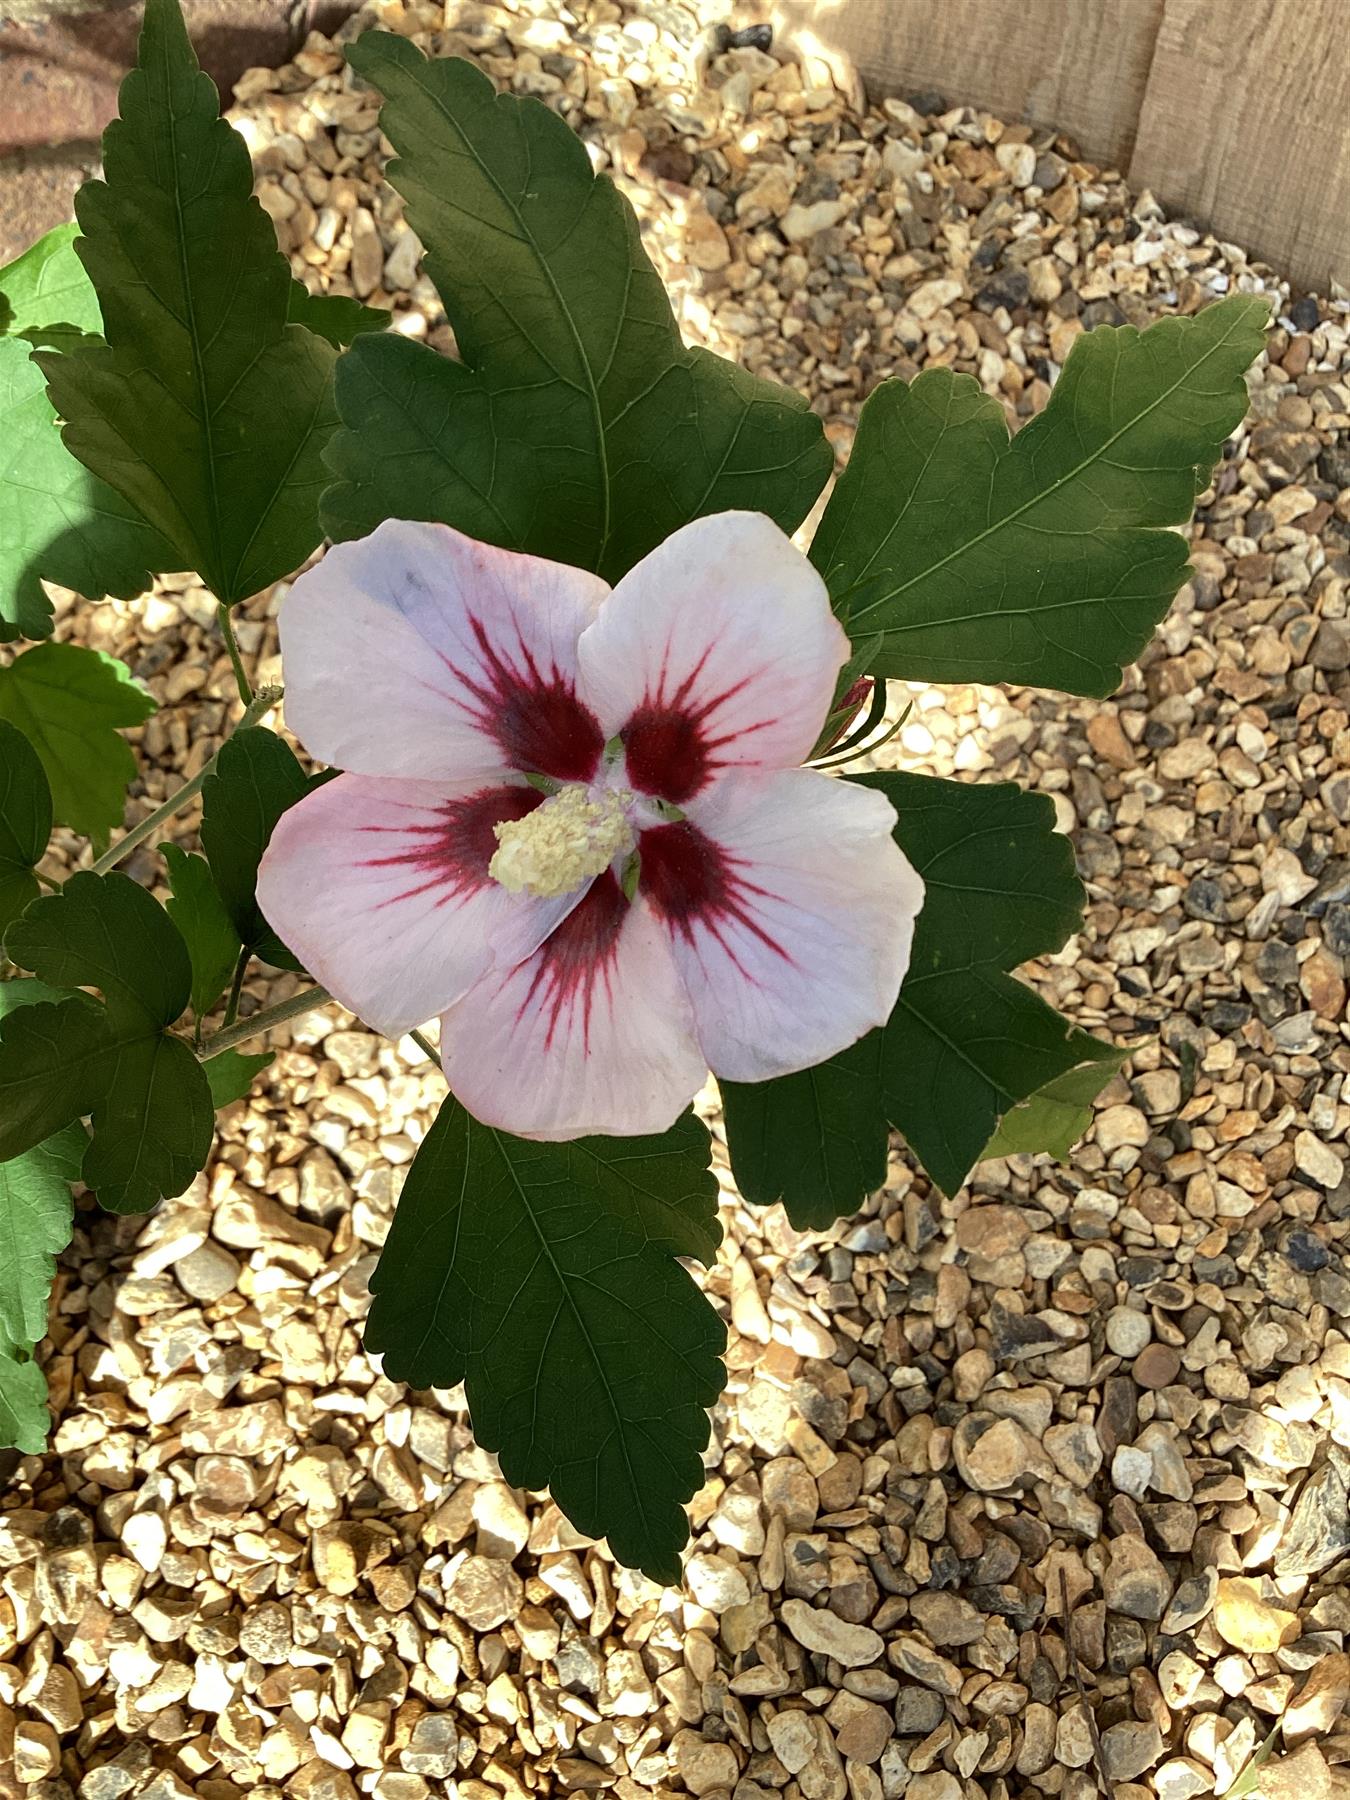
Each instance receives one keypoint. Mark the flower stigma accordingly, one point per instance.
(569, 840)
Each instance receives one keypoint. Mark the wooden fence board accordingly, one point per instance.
(1080, 65)
(1245, 125)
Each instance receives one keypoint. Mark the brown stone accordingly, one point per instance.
(992, 1231)
(1105, 735)
(1321, 1700)
(1136, 1583)
(1306, 1775)
(1156, 1367)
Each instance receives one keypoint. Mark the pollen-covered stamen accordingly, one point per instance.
(569, 840)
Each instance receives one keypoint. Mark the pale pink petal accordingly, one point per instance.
(791, 911)
(718, 651)
(592, 1035)
(418, 652)
(381, 889)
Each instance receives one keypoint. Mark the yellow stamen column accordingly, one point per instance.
(569, 840)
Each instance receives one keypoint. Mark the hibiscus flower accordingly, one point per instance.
(573, 822)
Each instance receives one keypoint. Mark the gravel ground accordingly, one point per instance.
(1042, 1490)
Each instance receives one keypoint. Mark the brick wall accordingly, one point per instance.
(61, 62)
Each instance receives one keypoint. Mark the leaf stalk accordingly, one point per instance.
(236, 660)
(307, 1000)
(237, 986)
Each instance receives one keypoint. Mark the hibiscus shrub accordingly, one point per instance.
(594, 715)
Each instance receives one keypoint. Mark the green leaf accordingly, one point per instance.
(576, 425)
(56, 520)
(232, 1074)
(544, 1276)
(70, 703)
(25, 822)
(817, 1140)
(255, 780)
(205, 409)
(198, 911)
(26, 992)
(107, 932)
(48, 286)
(55, 1061)
(149, 1099)
(24, 1419)
(965, 1044)
(1056, 1116)
(337, 317)
(152, 1127)
(36, 1216)
(1041, 560)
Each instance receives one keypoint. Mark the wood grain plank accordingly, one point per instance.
(1245, 125)
(1078, 65)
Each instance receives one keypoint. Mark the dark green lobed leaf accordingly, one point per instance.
(576, 426)
(966, 1043)
(55, 1061)
(205, 409)
(105, 931)
(149, 1101)
(817, 1140)
(198, 911)
(1044, 560)
(336, 317)
(544, 1276)
(255, 780)
(152, 1126)
(25, 822)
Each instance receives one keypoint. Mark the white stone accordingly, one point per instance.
(802, 222)
(1131, 1471)
(716, 1583)
(1127, 1331)
(820, 1631)
(792, 1737)
(1318, 1161)
(1018, 161)
(1283, 874)
(931, 297)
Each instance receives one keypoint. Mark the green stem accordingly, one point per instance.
(262, 703)
(308, 1000)
(237, 661)
(426, 1048)
(237, 986)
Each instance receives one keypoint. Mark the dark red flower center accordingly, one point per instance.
(694, 884)
(576, 960)
(453, 850)
(533, 713)
(677, 735)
